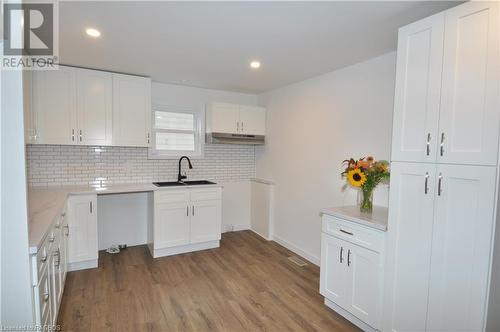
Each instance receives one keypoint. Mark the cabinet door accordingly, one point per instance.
(365, 286)
(54, 95)
(54, 280)
(417, 94)
(131, 110)
(334, 279)
(461, 248)
(252, 120)
(94, 107)
(224, 118)
(409, 234)
(469, 117)
(171, 224)
(82, 222)
(206, 220)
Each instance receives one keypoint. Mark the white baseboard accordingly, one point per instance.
(262, 236)
(91, 264)
(313, 259)
(350, 317)
(186, 248)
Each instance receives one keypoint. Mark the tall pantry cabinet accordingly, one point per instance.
(442, 205)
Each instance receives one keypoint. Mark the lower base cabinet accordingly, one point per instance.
(352, 270)
(185, 220)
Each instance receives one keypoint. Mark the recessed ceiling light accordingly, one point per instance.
(93, 32)
(255, 64)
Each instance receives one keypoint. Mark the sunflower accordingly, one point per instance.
(356, 177)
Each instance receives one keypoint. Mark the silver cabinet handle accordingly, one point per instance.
(91, 207)
(237, 126)
(428, 144)
(439, 183)
(148, 138)
(349, 257)
(72, 135)
(441, 147)
(346, 232)
(46, 297)
(67, 229)
(426, 185)
(242, 123)
(187, 211)
(192, 213)
(341, 258)
(81, 135)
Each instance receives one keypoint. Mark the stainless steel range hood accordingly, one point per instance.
(222, 138)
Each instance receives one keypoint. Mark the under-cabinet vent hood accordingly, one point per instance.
(223, 138)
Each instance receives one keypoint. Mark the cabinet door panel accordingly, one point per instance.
(94, 107)
(409, 234)
(417, 94)
(461, 248)
(54, 94)
(131, 110)
(469, 117)
(252, 120)
(206, 219)
(171, 222)
(334, 279)
(224, 118)
(82, 222)
(365, 272)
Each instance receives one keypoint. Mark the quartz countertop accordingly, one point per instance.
(45, 204)
(377, 219)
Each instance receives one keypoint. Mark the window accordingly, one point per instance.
(177, 131)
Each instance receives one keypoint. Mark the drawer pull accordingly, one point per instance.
(341, 254)
(349, 257)
(45, 297)
(346, 232)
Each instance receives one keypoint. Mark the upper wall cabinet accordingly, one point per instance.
(131, 110)
(446, 99)
(54, 106)
(74, 106)
(227, 118)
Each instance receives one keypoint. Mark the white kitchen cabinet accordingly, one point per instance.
(94, 107)
(461, 244)
(352, 269)
(131, 110)
(446, 106)
(82, 239)
(54, 106)
(252, 120)
(334, 275)
(469, 117)
(228, 118)
(417, 94)
(206, 217)
(409, 243)
(224, 118)
(186, 219)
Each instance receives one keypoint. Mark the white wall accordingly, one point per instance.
(314, 125)
(16, 295)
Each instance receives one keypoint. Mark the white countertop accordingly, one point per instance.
(45, 204)
(377, 219)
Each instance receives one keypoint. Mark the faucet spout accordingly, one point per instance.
(181, 177)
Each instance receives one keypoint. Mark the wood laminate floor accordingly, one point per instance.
(247, 284)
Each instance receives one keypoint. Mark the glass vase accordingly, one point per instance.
(366, 200)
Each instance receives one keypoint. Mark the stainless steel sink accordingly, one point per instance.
(184, 183)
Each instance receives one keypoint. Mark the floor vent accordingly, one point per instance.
(296, 260)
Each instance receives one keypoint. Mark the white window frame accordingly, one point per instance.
(199, 138)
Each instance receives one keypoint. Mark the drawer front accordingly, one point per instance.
(171, 196)
(347, 230)
(206, 194)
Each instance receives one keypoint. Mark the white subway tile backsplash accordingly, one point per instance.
(56, 165)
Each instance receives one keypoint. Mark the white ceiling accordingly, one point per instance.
(211, 44)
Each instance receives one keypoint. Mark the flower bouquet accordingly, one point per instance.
(366, 174)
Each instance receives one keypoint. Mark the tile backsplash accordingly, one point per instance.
(56, 165)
